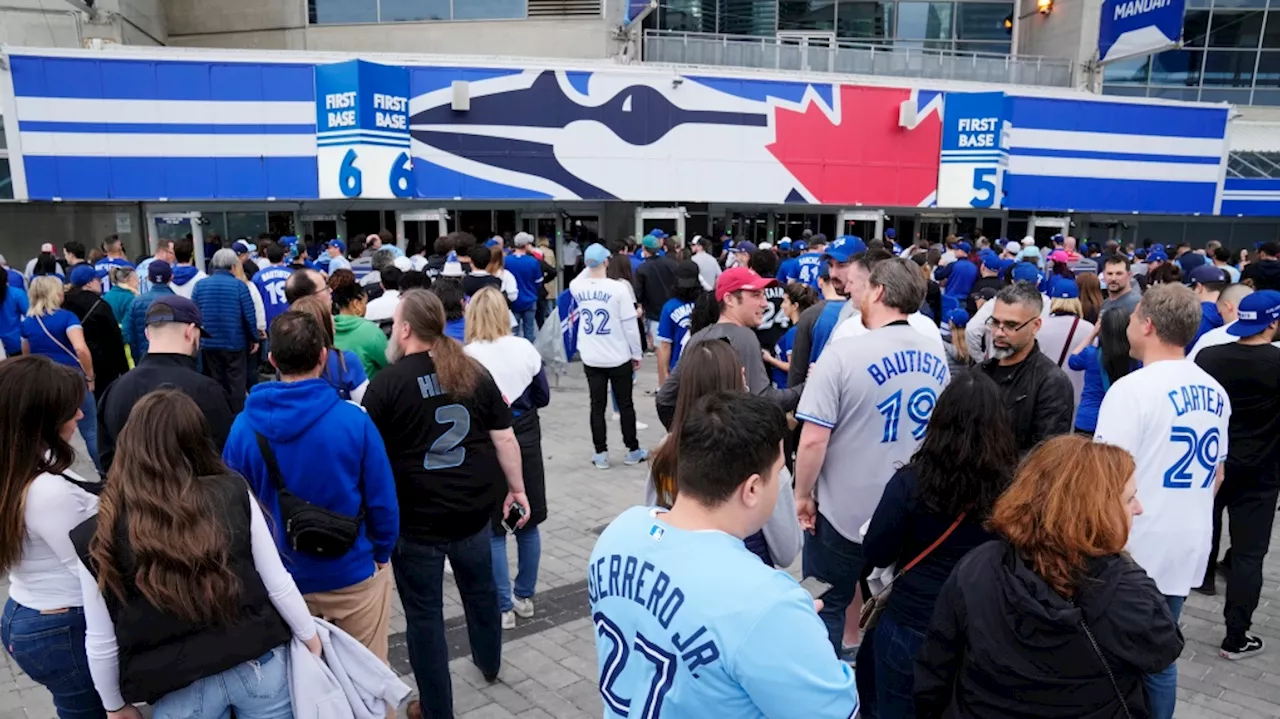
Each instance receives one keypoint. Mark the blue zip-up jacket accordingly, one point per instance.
(528, 273)
(960, 276)
(227, 310)
(135, 329)
(331, 455)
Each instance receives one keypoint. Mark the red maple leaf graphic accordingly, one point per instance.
(867, 158)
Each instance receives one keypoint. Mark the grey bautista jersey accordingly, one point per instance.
(875, 392)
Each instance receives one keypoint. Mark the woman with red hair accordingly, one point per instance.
(1054, 619)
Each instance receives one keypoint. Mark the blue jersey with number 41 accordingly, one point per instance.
(692, 624)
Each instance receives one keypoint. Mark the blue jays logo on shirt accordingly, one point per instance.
(656, 532)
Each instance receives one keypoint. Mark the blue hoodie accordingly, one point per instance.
(182, 274)
(327, 450)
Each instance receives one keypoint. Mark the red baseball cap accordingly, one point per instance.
(740, 278)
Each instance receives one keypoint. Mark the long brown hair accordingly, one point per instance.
(458, 373)
(162, 483)
(706, 367)
(37, 397)
(316, 306)
(1090, 295)
(1065, 506)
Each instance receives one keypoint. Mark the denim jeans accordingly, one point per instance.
(896, 648)
(1162, 687)
(256, 689)
(528, 553)
(837, 561)
(527, 323)
(88, 426)
(419, 569)
(50, 649)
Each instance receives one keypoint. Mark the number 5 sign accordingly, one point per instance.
(975, 150)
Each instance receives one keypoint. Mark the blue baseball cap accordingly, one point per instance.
(890, 233)
(991, 261)
(289, 240)
(1064, 289)
(784, 243)
(241, 247)
(82, 275)
(958, 317)
(746, 246)
(844, 247)
(1256, 313)
(1025, 272)
(596, 255)
(342, 246)
(1207, 275)
(800, 245)
(1157, 255)
(655, 232)
(1058, 239)
(964, 247)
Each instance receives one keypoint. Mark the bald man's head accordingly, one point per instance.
(1229, 300)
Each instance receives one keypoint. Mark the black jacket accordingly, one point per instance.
(1039, 396)
(1263, 274)
(101, 334)
(1003, 644)
(161, 371)
(655, 284)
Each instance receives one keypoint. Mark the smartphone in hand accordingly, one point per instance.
(513, 518)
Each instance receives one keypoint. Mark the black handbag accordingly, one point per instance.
(310, 528)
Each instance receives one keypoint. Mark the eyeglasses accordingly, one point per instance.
(1008, 327)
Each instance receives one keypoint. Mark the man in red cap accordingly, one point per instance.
(740, 294)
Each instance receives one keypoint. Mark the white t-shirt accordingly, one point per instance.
(849, 324)
(1172, 417)
(604, 308)
(383, 308)
(1212, 338)
(512, 361)
(47, 576)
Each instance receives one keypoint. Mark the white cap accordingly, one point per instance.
(766, 245)
(1012, 247)
(523, 239)
(403, 264)
(47, 247)
(1028, 241)
(452, 268)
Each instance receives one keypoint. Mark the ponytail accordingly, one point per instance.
(458, 373)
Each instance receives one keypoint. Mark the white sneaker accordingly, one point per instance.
(523, 607)
(448, 568)
(617, 417)
(508, 620)
(641, 425)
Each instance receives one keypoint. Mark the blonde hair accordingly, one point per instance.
(46, 296)
(488, 319)
(1069, 304)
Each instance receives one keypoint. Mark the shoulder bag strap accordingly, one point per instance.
(1066, 347)
(47, 333)
(1098, 651)
(928, 550)
(273, 469)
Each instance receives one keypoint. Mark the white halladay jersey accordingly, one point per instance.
(875, 392)
(604, 306)
(1172, 417)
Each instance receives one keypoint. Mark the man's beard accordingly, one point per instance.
(395, 352)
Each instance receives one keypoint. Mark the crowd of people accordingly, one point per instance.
(1002, 466)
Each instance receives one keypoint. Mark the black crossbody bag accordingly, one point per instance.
(309, 528)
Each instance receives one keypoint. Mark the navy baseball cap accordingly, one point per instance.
(1025, 272)
(745, 246)
(240, 247)
(1256, 313)
(175, 308)
(1207, 275)
(159, 271)
(843, 248)
(82, 275)
(818, 239)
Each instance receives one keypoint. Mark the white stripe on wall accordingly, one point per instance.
(93, 144)
(1112, 169)
(1102, 142)
(65, 109)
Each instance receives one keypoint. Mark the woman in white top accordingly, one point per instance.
(516, 368)
(187, 604)
(41, 501)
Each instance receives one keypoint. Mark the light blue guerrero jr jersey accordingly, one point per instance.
(692, 624)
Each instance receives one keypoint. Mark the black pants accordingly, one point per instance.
(1250, 502)
(228, 368)
(599, 379)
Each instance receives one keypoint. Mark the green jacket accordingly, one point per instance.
(364, 338)
(120, 300)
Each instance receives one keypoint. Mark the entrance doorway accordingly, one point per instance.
(177, 226)
(866, 224)
(421, 228)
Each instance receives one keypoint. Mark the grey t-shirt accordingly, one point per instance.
(875, 392)
(1127, 302)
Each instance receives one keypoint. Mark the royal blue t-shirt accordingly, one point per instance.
(41, 344)
(673, 326)
(782, 351)
(12, 314)
(789, 270)
(823, 327)
(810, 263)
(345, 374)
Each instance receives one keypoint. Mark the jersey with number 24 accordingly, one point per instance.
(1172, 417)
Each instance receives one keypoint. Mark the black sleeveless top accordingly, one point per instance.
(160, 652)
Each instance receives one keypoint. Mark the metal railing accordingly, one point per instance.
(821, 55)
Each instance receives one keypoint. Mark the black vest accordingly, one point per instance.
(160, 652)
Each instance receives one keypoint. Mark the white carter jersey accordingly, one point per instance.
(875, 394)
(1172, 417)
(604, 306)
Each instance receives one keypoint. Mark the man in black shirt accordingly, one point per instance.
(448, 434)
(1249, 370)
(989, 280)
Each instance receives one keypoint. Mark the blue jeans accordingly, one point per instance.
(419, 568)
(528, 552)
(896, 647)
(527, 323)
(1162, 688)
(256, 689)
(50, 649)
(837, 561)
(88, 426)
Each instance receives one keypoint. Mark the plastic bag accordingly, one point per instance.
(550, 344)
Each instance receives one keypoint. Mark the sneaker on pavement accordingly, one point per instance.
(617, 417)
(641, 425)
(636, 456)
(601, 460)
(508, 620)
(523, 607)
(448, 568)
(1209, 588)
(1239, 649)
